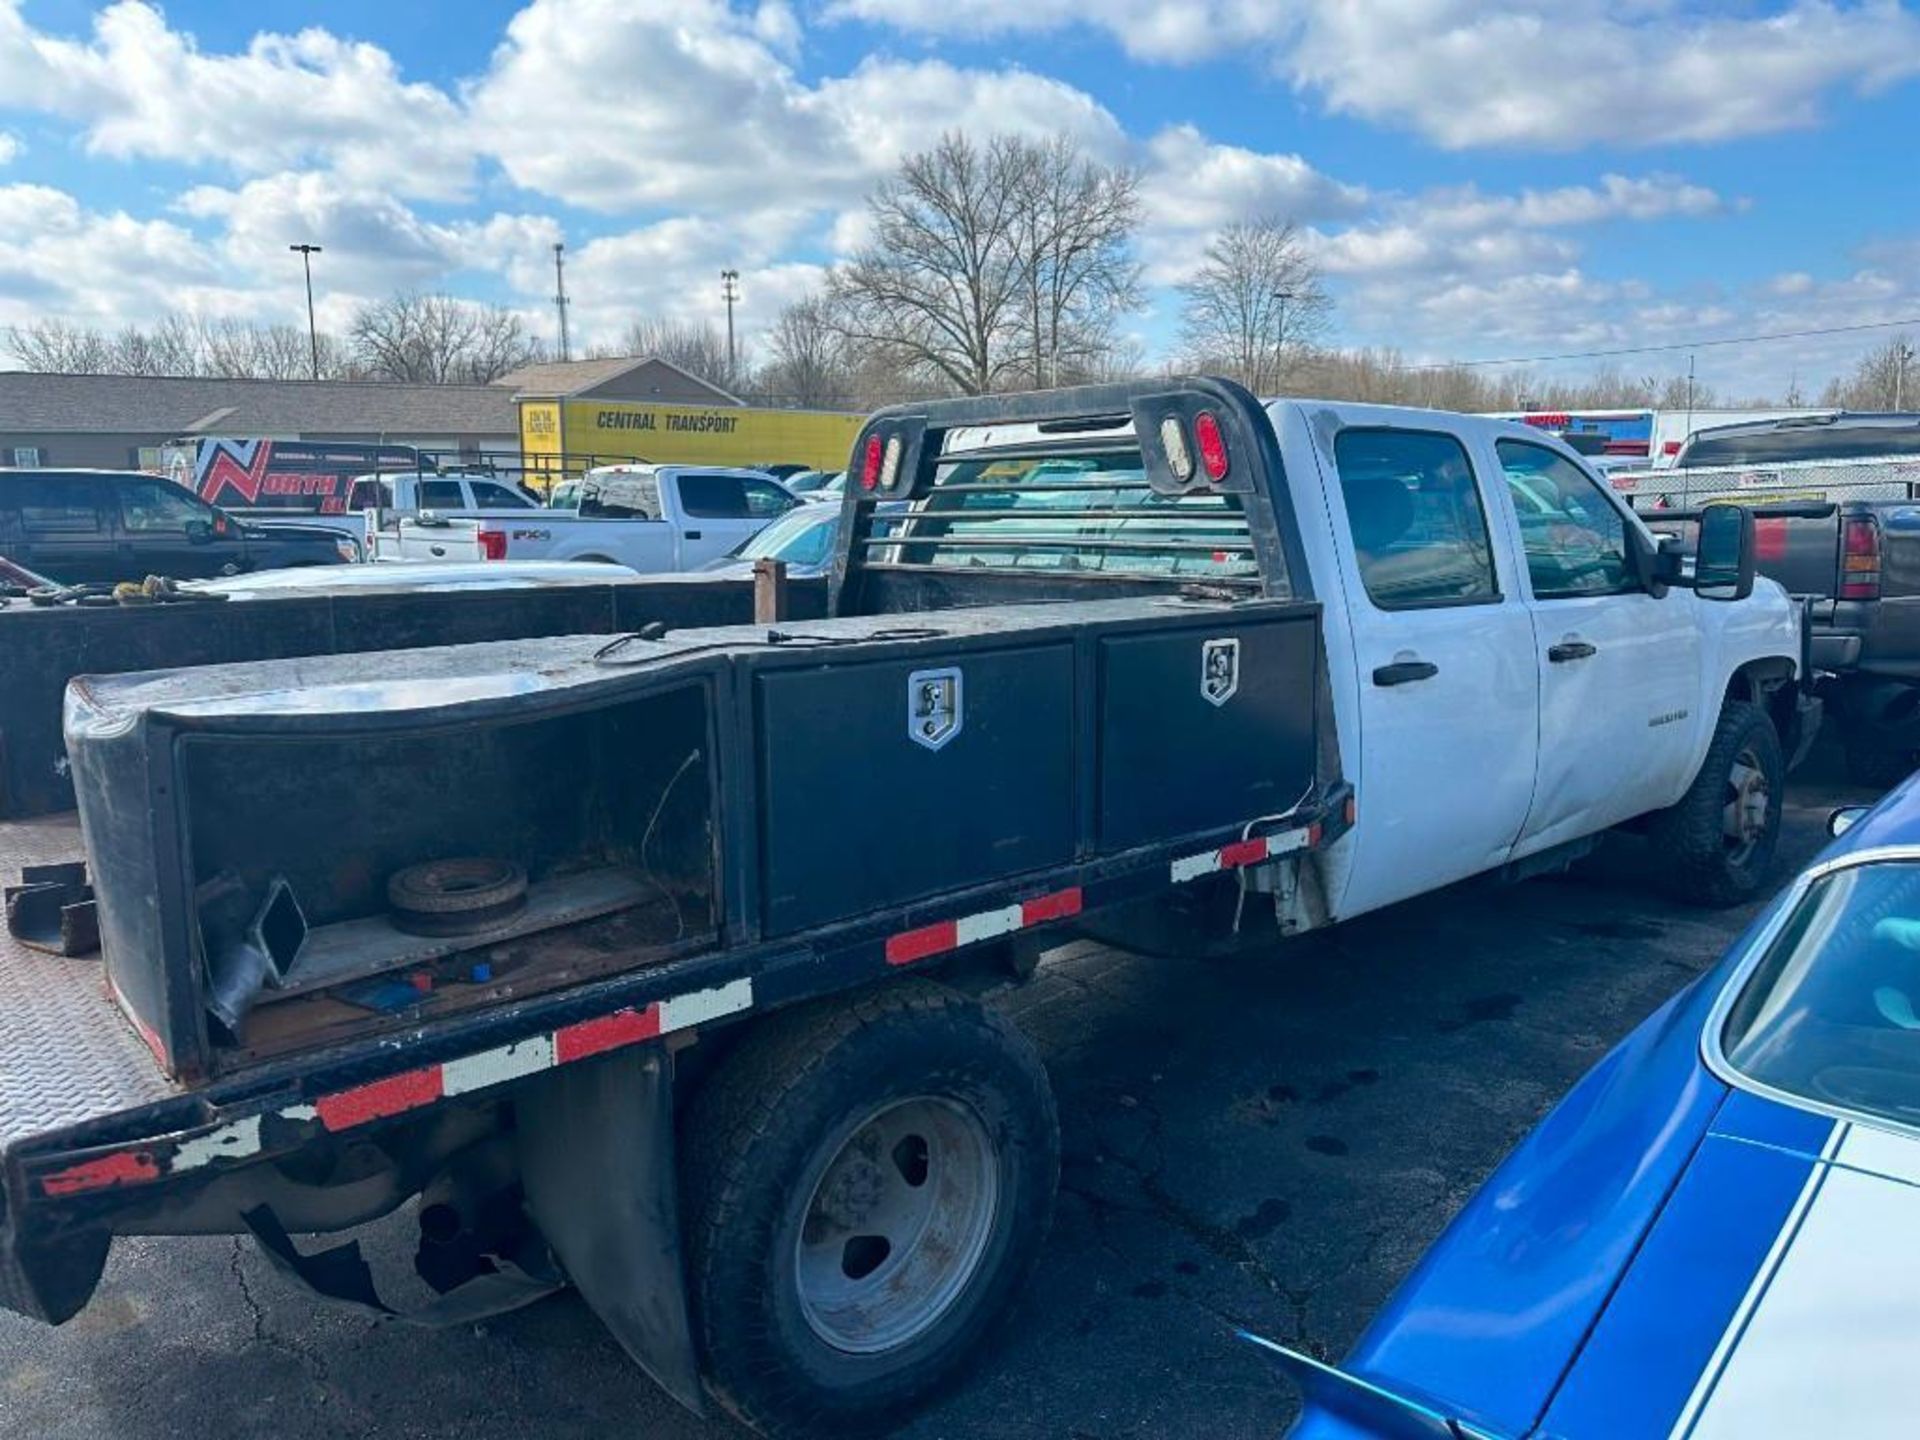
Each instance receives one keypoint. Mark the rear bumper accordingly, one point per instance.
(1834, 651)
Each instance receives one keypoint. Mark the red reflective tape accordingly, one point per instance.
(367, 1103)
(128, 1167)
(912, 945)
(609, 1032)
(1242, 852)
(1056, 906)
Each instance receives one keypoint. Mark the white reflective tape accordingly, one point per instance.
(1288, 841)
(704, 1005)
(1192, 867)
(495, 1067)
(230, 1142)
(989, 923)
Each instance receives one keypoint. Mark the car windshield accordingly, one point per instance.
(800, 537)
(1832, 1013)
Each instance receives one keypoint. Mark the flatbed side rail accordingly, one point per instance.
(1141, 486)
(87, 1172)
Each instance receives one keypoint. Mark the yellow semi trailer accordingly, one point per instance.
(557, 435)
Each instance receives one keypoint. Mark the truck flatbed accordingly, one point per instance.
(67, 1054)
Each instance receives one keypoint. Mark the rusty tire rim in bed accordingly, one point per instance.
(456, 896)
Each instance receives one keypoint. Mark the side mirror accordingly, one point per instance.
(1723, 559)
(1845, 818)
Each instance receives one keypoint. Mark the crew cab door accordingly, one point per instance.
(166, 531)
(719, 510)
(1619, 669)
(1443, 652)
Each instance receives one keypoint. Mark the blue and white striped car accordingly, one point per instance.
(1717, 1233)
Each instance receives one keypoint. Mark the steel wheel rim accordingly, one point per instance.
(896, 1225)
(1743, 818)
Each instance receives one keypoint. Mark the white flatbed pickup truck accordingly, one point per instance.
(720, 1062)
(656, 519)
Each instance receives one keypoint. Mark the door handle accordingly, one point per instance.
(1569, 650)
(1405, 672)
(693, 535)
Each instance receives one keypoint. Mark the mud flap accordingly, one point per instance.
(341, 1276)
(596, 1151)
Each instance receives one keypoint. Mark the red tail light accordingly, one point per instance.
(1860, 559)
(1213, 444)
(493, 544)
(870, 463)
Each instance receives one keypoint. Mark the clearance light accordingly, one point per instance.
(870, 464)
(1213, 444)
(1173, 439)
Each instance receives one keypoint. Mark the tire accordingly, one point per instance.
(786, 1162)
(1700, 861)
(1873, 760)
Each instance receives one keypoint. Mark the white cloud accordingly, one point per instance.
(622, 104)
(141, 90)
(61, 259)
(1463, 74)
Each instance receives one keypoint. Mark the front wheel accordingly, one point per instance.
(868, 1183)
(1716, 845)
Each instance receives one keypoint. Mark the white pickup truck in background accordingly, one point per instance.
(378, 501)
(656, 519)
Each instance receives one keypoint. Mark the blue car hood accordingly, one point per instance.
(1776, 1297)
(1495, 1313)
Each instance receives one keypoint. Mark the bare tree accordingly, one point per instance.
(808, 363)
(1885, 378)
(1257, 294)
(695, 347)
(1072, 241)
(440, 340)
(55, 345)
(939, 285)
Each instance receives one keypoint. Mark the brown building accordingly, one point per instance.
(120, 421)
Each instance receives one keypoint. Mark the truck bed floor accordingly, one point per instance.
(67, 1054)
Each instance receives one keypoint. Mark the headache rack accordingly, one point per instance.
(1000, 499)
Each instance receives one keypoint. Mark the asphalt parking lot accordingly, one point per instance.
(1267, 1142)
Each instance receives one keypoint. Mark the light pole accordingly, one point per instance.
(307, 252)
(730, 292)
(1280, 337)
(560, 301)
(1902, 357)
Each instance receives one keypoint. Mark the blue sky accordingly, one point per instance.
(1477, 181)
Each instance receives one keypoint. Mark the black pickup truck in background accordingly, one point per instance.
(1856, 566)
(93, 526)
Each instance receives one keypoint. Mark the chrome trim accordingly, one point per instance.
(1715, 1058)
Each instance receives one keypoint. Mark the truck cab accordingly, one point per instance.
(104, 526)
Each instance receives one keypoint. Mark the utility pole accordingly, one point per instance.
(560, 301)
(306, 253)
(1902, 357)
(1280, 338)
(730, 292)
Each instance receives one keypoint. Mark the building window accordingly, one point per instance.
(25, 457)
